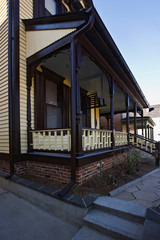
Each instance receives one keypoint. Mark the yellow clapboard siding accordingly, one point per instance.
(26, 11)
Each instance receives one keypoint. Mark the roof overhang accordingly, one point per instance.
(99, 37)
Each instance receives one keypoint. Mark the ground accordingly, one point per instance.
(104, 181)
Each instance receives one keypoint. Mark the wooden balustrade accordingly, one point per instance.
(54, 139)
(60, 139)
(95, 139)
(143, 143)
(121, 139)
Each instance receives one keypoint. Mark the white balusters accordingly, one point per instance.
(95, 139)
(120, 139)
(54, 139)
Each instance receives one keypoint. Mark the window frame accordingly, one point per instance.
(39, 9)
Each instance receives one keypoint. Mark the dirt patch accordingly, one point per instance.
(103, 182)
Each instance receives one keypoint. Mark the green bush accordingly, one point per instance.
(132, 162)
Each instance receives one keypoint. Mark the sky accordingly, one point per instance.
(135, 28)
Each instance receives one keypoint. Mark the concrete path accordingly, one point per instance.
(145, 192)
(20, 219)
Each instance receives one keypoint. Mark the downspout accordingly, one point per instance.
(13, 66)
(83, 30)
(10, 91)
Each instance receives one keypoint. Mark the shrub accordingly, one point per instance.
(132, 162)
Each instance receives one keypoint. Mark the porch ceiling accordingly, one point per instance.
(92, 79)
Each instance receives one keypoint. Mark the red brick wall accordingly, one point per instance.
(20, 167)
(4, 166)
(59, 173)
(88, 171)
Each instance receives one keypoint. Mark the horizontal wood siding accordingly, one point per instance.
(26, 12)
(4, 108)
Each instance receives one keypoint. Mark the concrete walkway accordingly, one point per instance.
(19, 220)
(146, 192)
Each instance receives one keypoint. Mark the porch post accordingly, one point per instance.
(135, 121)
(148, 131)
(145, 130)
(29, 84)
(127, 117)
(142, 122)
(76, 132)
(112, 112)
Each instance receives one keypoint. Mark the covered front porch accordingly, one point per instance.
(80, 83)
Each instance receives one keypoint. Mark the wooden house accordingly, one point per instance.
(60, 74)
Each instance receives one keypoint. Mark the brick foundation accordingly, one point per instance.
(20, 167)
(57, 173)
(88, 171)
(60, 173)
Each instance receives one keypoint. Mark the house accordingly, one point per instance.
(155, 115)
(61, 75)
(145, 126)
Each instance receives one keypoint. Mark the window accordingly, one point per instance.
(52, 100)
(43, 8)
(53, 108)
(51, 6)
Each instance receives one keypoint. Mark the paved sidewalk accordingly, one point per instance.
(19, 220)
(145, 192)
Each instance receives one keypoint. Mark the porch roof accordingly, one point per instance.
(112, 60)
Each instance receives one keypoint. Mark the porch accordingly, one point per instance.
(77, 82)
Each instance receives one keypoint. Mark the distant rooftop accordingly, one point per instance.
(154, 113)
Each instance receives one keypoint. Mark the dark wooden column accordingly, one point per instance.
(127, 116)
(112, 127)
(135, 118)
(157, 153)
(29, 84)
(76, 130)
(148, 131)
(135, 121)
(142, 122)
(145, 130)
(78, 102)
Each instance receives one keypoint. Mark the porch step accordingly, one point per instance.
(87, 233)
(113, 218)
(113, 226)
(121, 208)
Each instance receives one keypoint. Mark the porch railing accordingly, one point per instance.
(95, 139)
(121, 139)
(60, 139)
(143, 143)
(54, 139)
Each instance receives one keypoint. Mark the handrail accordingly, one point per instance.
(143, 143)
(142, 137)
(95, 129)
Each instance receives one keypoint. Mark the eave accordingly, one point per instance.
(121, 64)
(61, 21)
(103, 43)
